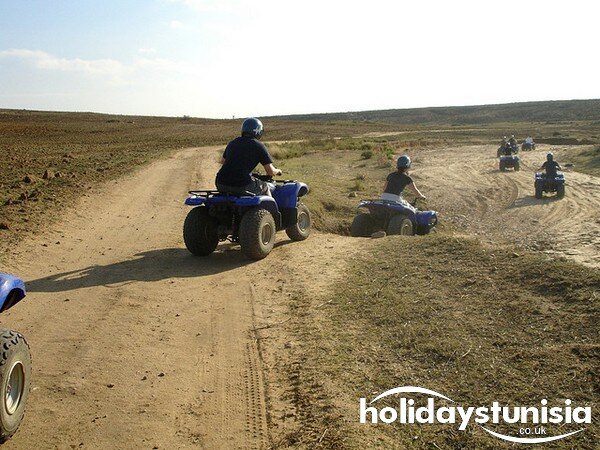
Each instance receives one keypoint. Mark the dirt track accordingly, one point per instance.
(137, 344)
(501, 207)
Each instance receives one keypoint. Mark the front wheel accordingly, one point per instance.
(400, 225)
(301, 229)
(560, 191)
(15, 376)
(539, 193)
(257, 233)
(517, 166)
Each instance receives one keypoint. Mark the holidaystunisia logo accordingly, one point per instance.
(530, 421)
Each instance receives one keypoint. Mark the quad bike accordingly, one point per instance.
(393, 218)
(508, 149)
(528, 146)
(15, 362)
(248, 219)
(549, 184)
(509, 161)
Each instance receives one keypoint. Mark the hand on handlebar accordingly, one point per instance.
(278, 172)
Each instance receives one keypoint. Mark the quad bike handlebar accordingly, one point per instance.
(269, 178)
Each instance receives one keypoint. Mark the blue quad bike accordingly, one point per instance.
(508, 149)
(544, 183)
(528, 146)
(391, 217)
(509, 162)
(15, 362)
(248, 219)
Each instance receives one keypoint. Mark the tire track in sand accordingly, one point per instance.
(135, 342)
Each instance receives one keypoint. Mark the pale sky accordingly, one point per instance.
(211, 58)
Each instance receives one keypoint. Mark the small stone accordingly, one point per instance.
(29, 178)
(110, 385)
(352, 194)
(379, 234)
(4, 226)
(48, 174)
(162, 374)
(58, 175)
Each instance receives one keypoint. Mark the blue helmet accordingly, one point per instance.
(403, 162)
(549, 156)
(252, 127)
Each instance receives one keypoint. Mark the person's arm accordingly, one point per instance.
(416, 191)
(224, 156)
(272, 170)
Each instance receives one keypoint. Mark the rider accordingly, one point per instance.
(512, 141)
(503, 143)
(397, 181)
(550, 166)
(240, 158)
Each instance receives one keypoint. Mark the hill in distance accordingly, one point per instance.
(543, 111)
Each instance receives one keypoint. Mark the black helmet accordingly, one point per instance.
(252, 127)
(403, 162)
(549, 156)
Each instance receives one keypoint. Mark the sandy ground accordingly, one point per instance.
(501, 206)
(138, 344)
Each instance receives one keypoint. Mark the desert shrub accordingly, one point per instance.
(357, 186)
(388, 152)
(366, 154)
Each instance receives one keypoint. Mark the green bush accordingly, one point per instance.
(367, 154)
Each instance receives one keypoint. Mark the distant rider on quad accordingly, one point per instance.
(397, 181)
(550, 166)
(240, 158)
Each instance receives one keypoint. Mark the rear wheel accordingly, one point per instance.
(257, 233)
(301, 230)
(400, 225)
(560, 191)
(501, 166)
(200, 232)
(15, 375)
(362, 225)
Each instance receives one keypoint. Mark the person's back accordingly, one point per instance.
(397, 181)
(241, 156)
